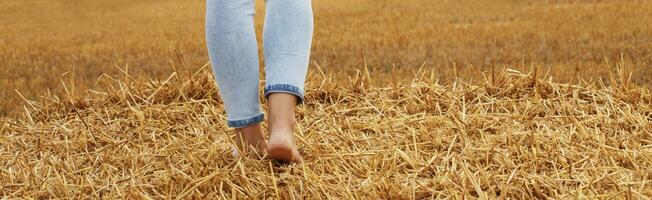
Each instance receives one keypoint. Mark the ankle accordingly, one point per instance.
(281, 121)
(281, 129)
(281, 126)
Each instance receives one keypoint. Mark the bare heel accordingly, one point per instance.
(280, 153)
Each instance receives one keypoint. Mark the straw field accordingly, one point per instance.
(409, 99)
(515, 136)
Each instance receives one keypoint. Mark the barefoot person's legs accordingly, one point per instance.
(233, 51)
(287, 38)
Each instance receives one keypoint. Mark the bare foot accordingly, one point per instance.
(281, 147)
(249, 139)
(281, 144)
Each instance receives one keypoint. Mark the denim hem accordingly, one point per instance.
(240, 123)
(285, 88)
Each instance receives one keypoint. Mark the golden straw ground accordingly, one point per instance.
(513, 136)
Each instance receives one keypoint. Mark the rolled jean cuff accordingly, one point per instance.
(285, 88)
(241, 123)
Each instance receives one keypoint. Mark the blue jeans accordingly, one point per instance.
(233, 51)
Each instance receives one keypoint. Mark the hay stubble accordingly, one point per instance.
(513, 136)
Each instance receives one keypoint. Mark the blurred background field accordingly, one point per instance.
(44, 43)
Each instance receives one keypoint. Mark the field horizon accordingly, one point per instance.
(45, 43)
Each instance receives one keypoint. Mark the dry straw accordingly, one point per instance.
(514, 136)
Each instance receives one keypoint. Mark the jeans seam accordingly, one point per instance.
(285, 88)
(239, 123)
